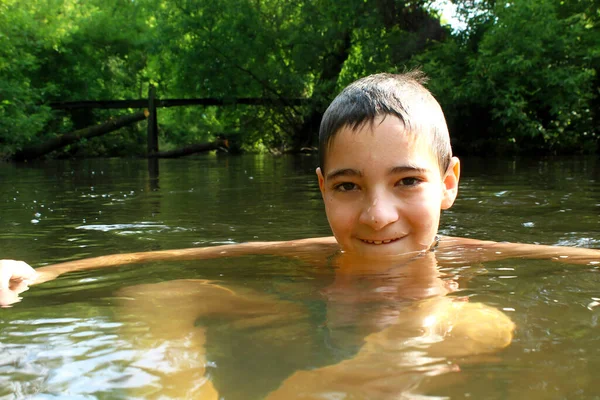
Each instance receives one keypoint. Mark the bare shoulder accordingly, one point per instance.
(467, 250)
(454, 248)
(328, 242)
(456, 242)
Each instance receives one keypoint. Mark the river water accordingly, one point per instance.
(77, 338)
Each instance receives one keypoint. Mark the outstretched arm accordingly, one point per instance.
(18, 275)
(465, 249)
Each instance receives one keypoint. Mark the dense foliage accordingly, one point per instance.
(521, 76)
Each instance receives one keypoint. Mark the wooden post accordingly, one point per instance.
(152, 122)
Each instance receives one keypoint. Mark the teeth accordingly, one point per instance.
(378, 241)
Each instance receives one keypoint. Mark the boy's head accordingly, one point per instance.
(402, 96)
(386, 166)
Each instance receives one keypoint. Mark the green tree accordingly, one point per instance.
(20, 42)
(521, 78)
(523, 75)
(57, 50)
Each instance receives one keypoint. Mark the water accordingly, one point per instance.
(82, 337)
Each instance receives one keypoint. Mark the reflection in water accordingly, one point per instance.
(411, 332)
(153, 171)
(390, 325)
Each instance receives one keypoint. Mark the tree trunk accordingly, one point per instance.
(33, 152)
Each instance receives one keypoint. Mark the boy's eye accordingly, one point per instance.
(346, 186)
(410, 181)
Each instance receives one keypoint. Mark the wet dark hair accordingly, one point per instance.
(399, 95)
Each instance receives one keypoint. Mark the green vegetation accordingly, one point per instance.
(522, 76)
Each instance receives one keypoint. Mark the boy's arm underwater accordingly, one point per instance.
(472, 250)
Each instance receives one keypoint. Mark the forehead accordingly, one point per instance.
(385, 143)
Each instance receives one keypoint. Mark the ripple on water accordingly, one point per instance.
(78, 356)
(133, 229)
(120, 227)
(579, 242)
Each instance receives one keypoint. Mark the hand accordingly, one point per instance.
(15, 278)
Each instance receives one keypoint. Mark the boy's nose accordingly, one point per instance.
(379, 213)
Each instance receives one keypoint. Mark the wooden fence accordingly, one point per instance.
(152, 103)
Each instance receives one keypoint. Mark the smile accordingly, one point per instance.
(378, 242)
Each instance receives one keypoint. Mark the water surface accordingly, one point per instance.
(72, 338)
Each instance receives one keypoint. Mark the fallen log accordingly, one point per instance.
(192, 149)
(33, 152)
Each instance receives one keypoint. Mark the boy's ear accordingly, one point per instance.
(321, 180)
(450, 183)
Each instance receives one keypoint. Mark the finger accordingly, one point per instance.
(15, 270)
(5, 273)
(19, 286)
(8, 297)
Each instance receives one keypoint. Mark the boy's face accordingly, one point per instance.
(383, 190)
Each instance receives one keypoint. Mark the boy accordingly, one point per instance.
(386, 172)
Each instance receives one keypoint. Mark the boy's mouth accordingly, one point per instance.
(378, 242)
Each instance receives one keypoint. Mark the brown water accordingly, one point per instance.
(73, 338)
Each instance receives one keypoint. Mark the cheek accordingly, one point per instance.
(424, 213)
(341, 216)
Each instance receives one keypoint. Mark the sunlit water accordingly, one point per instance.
(73, 338)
